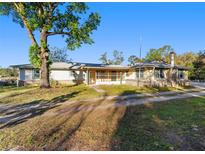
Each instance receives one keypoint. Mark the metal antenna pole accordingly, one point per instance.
(139, 76)
(140, 48)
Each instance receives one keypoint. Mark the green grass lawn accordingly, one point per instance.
(13, 88)
(28, 94)
(174, 125)
(129, 89)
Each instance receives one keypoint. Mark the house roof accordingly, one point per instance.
(61, 65)
(104, 66)
(157, 64)
(28, 66)
(55, 65)
(78, 65)
(73, 66)
(152, 64)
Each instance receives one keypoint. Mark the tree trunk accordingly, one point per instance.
(44, 78)
(44, 81)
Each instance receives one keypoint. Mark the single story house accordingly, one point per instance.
(141, 74)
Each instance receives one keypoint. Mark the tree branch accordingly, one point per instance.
(57, 33)
(19, 8)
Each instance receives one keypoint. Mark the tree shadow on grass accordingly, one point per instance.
(58, 136)
(156, 127)
(137, 130)
(20, 113)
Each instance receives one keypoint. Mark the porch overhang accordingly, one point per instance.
(105, 75)
(107, 68)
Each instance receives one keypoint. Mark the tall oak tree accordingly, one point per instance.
(52, 18)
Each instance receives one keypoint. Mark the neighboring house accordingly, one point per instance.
(142, 74)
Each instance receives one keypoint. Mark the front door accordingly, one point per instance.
(92, 77)
(114, 76)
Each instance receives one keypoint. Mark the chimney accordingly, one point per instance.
(172, 55)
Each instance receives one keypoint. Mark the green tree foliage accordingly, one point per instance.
(104, 59)
(34, 57)
(160, 54)
(187, 59)
(134, 59)
(69, 20)
(117, 58)
(8, 72)
(59, 55)
(199, 66)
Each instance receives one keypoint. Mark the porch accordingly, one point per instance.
(102, 76)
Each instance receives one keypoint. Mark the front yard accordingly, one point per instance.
(26, 95)
(128, 89)
(49, 125)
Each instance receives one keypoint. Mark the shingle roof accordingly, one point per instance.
(72, 65)
(55, 65)
(152, 64)
(29, 66)
(78, 65)
(157, 64)
(61, 65)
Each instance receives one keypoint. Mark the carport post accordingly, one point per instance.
(87, 74)
(120, 77)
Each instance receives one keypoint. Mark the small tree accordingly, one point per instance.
(49, 19)
(8, 72)
(133, 60)
(187, 59)
(104, 59)
(58, 55)
(160, 54)
(117, 58)
(199, 66)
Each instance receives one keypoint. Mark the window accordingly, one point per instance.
(140, 73)
(100, 74)
(84, 75)
(180, 74)
(114, 75)
(36, 74)
(28, 74)
(159, 73)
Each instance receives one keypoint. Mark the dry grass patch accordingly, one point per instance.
(129, 89)
(177, 125)
(65, 128)
(64, 93)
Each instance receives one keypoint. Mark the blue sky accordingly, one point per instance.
(181, 25)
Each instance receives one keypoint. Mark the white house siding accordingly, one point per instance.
(21, 74)
(26, 77)
(61, 75)
(66, 75)
(28, 74)
(130, 75)
(109, 82)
